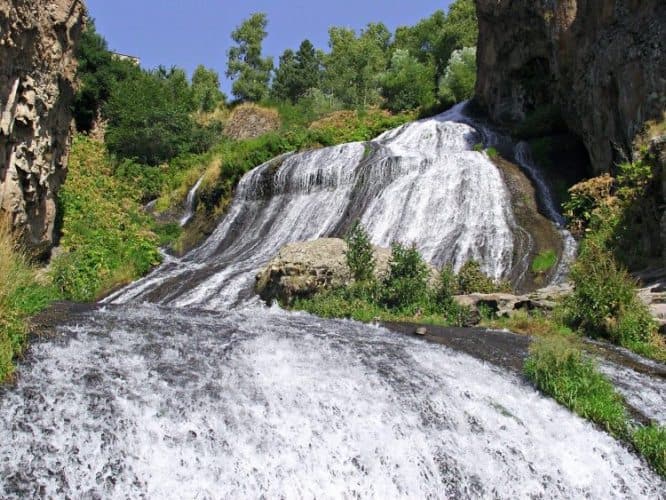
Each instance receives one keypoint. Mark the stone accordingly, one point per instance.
(421, 331)
(602, 63)
(38, 40)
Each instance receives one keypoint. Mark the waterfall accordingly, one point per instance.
(189, 203)
(184, 386)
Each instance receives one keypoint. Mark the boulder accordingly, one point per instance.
(304, 268)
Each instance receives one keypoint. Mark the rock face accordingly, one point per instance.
(602, 62)
(304, 268)
(37, 71)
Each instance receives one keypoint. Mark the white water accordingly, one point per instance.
(241, 401)
(189, 203)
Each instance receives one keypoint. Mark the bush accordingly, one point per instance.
(359, 254)
(408, 84)
(544, 262)
(472, 280)
(406, 285)
(106, 237)
(559, 369)
(604, 301)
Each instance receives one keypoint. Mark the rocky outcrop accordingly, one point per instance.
(602, 63)
(304, 268)
(249, 121)
(38, 39)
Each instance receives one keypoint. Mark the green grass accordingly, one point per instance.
(558, 367)
(651, 443)
(544, 262)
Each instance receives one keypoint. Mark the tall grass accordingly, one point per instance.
(21, 295)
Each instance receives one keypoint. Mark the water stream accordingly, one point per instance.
(184, 386)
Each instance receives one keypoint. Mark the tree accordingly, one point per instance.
(461, 29)
(359, 254)
(408, 84)
(98, 72)
(298, 73)
(245, 65)
(149, 117)
(459, 79)
(206, 93)
(354, 64)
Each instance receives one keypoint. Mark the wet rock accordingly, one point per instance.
(601, 63)
(506, 304)
(37, 72)
(421, 331)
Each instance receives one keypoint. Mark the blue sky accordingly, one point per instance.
(186, 33)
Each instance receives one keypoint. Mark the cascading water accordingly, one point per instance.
(207, 394)
(189, 203)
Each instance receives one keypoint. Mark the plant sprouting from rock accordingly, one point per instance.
(359, 255)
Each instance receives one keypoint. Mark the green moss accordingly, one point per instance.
(544, 262)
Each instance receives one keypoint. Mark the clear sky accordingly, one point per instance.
(186, 33)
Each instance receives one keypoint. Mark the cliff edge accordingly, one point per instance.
(601, 63)
(38, 39)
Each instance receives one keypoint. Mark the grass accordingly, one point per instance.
(651, 443)
(558, 367)
(544, 262)
(22, 294)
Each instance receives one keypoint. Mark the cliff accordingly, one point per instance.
(37, 72)
(601, 63)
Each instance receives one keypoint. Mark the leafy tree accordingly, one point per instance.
(149, 117)
(461, 29)
(459, 79)
(298, 73)
(250, 71)
(422, 39)
(359, 254)
(408, 83)
(206, 92)
(407, 282)
(98, 73)
(355, 63)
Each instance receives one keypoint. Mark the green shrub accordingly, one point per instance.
(472, 280)
(651, 443)
(359, 254)
(459, 79)
(604, 301)
(406, 285)
(559, 369)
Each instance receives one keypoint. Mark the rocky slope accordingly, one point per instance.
(601, 62)
(37, 70)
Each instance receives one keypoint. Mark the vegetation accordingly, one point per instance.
(544, 262)
(459, 79)
(106, 238)
(250, 71)
(651, 443)
(359, 255)
(471, 279)
(23, 293)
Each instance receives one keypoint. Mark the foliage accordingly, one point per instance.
(604, 301)
(408, 83)
(406, 286)
(206, 93)
(651, 443)
(22, 294)
(559, 369)
(544, 262)
(457, 83)
(245, 65)
(298, 73)
(359, 254)
(105, 238)
(354, 64)
(149, 118)
(471, 279)
(98, 73)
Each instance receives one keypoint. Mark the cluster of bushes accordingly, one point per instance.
(410, 289)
